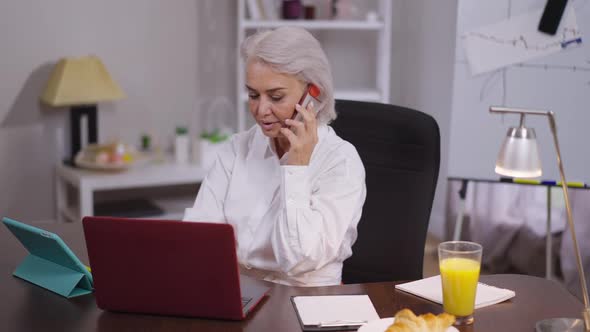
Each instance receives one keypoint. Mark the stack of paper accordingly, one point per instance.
(431, 289)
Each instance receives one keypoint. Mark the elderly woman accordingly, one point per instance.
(290, 187)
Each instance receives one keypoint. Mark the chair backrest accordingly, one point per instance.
(400, 149)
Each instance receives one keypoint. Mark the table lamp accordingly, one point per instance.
(519, 157)
(80, 83)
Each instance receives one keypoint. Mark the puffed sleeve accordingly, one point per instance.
(317, 223)
(209, 202)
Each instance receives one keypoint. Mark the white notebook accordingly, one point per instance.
(431, 289)
(339, 312)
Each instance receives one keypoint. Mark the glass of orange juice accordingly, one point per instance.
(459, 263)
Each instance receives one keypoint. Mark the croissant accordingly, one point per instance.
(407, 321)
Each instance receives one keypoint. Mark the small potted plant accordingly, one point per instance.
(209, 143)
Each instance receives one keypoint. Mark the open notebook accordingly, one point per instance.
(333, 312)
(431, 289)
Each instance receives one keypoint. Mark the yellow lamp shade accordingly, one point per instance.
(80, 81)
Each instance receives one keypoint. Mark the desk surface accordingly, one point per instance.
(25, 307)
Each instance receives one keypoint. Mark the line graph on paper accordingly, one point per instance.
(517, 40)
(568, 36)
(523, 70)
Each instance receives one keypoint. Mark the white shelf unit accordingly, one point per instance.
(314, 24)
(87, 183)
(381, 27)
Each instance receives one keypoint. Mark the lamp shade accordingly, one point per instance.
(80, 81)
(519, 154)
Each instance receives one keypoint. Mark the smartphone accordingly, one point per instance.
(312, 93)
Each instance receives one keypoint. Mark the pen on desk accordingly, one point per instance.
(342, 323)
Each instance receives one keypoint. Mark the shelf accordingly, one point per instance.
(173, 206)
(352, 94)
(86, 184)
(147, 175)
(375, 54)
(315, 24)
(168, 216)
(359, 94)
(70, 214)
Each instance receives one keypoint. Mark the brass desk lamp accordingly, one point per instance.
(519, 157)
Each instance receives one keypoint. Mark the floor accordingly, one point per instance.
(430, 265)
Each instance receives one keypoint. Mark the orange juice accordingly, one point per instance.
(459, 282)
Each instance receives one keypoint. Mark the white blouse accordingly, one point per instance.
(294, 225)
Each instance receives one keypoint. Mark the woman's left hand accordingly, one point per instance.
(302, 136)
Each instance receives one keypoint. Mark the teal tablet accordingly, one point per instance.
(50, 263)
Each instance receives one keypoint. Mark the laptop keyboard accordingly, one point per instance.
(245, 301)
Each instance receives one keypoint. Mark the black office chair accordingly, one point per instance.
(400, 149)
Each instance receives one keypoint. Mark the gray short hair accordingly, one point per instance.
(295, 51)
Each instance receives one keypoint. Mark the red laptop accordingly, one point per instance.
(168, 267)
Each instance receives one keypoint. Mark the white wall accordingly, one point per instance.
(422, 74)
(149, 47)
(558, 82)
(216, 68)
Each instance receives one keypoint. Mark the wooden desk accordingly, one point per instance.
(25, 307)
